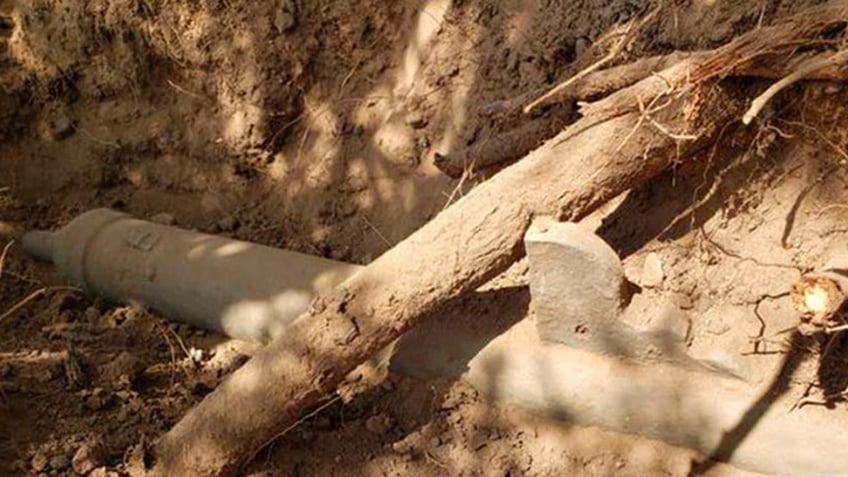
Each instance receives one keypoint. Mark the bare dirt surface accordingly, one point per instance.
(316, 126)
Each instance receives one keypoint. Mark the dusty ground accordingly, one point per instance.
(315, 126)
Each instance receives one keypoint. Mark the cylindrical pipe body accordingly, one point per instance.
(252, 292)
(696, 409)
(243, 290)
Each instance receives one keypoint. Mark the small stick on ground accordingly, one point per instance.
(179, 342)
(185, 91)
(34, 296)
(827, 400)
(297, 423)
(802, 72)
(804, 398)
(173, 357)
(824, 210)
(376, 231)
(761, 337)
(3, 256)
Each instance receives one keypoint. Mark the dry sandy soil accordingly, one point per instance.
(316, 126)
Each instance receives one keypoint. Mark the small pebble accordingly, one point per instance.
(98, 399)
(414, 440)
(285, 18)
(102, 472)
(379, 424)
(59, 462)
(88, 457)
(39, 462)
(833, 88)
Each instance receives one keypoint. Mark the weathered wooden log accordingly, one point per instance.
(472, 241)
(511, 145)
(459, 250)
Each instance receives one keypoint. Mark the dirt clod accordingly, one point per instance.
(379, 424)
(123, 370)
(103, 472)
(97, 399)
(285, 18)
(39, 462)
(59, 462)
(87, 457)
(56, 123)
(409, 444)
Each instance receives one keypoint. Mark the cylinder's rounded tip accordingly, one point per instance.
(38, 244)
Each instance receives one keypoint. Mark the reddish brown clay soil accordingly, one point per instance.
(315, 126)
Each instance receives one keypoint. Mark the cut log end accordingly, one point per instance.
(818, 298)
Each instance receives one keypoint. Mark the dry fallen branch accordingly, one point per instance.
(595, 84)
(466, 245)
(3, 256)
(32, 297)
(820, 62)
(511, 145)
(508, 146)
(755, 54)
(603, 82)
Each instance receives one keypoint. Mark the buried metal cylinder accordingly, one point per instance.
(243, 290)
(706, 411)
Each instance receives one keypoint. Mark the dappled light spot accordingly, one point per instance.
(233, 248)
(198, 252)
(267, 318)
(393, 137)
(429, 22)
